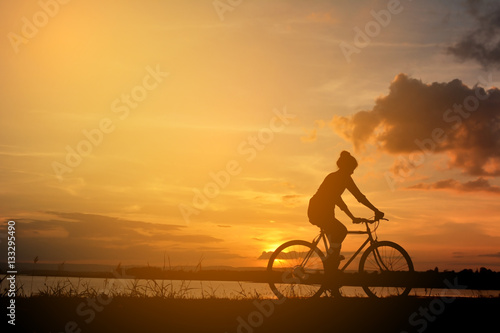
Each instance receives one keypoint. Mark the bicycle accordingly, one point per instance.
(297, 268)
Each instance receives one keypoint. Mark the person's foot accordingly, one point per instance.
(332, 264)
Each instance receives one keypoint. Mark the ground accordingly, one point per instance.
(130, 314)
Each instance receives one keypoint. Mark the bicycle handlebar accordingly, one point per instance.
(362, 220)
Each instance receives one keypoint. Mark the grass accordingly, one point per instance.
(5, 291)
(132, 288)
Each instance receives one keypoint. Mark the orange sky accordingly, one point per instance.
(116, 116)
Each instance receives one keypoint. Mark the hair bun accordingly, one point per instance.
(345, 153)
(347, 161)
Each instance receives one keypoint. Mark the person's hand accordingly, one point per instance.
(356, 220)
(378, 215)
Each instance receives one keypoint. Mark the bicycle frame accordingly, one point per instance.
(369, 240)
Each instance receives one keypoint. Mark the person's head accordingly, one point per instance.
(347, 162)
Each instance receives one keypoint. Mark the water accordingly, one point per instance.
(190, 289)
(172, 288)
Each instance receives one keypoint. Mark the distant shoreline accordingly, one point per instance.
(483, 279)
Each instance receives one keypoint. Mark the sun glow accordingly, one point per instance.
(272, 247)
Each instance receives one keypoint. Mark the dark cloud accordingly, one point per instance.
(493, 255)
(75, 236)
(458, 254)
(283, 255)
(479, 184)
(451, 118)
(265, 255)
(92, 226)
(482, 44)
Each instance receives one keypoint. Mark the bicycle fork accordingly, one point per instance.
(379, 261)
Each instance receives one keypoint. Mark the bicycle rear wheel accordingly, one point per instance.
(386, 270)
(296, 270)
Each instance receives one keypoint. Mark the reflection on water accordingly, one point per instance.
(189, 289)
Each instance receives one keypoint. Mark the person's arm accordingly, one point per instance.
(351, 186)
(341, 204)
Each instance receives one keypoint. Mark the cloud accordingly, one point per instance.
(451, 118)
(292, 200)
(265, 255)
(77, 236)
(479, 184)
(312, 135)
(458, 254)
(482, 43)
(493, 255)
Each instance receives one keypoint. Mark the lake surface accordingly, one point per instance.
(189, 289)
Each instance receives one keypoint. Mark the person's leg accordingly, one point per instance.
(336, 232)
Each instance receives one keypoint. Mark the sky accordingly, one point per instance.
(133, 131)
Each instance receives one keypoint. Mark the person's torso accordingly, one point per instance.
(331, 189)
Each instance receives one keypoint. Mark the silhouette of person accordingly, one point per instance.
(321, 210)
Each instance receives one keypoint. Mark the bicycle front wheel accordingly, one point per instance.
(386, 270)
(296, 270)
